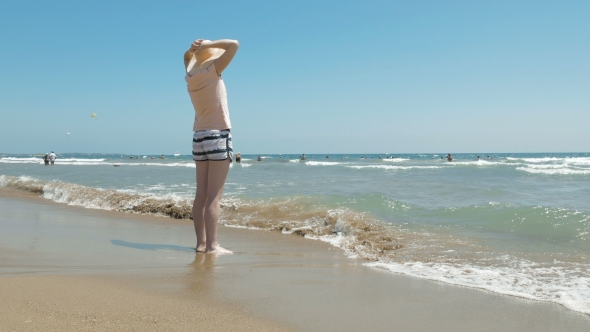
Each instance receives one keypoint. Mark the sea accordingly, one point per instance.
(511, 223)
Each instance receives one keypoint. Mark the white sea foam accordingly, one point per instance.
(395, 160)
(563, 171)
(393, 167)
(557, 282)
(536, 160)
(553, 165)
(475, 163)
(322, 163)
(80, 163)
(12, 160)
(88, 160)
(519, 278)
(548, 166)
(577, 161)
(66, 161)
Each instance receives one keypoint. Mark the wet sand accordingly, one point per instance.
(70, 268)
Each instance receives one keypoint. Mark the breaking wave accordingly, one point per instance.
(322, 163)
(393, 167)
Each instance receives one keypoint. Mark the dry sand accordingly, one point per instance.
(92, 303)
(69, 268)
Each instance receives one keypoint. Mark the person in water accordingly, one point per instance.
(449, 157)
(204, 62)
(52, 157)
(238, 158)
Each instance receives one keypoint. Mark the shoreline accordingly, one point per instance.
(277, 281)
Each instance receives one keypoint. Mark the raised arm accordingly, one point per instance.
(230, 46)
(187, 58)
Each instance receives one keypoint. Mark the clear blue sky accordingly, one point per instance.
(310, 76)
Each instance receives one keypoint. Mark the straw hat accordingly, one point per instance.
(204, 58)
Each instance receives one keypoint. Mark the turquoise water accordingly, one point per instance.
(516, 224)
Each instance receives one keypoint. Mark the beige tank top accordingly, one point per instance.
(209, 97)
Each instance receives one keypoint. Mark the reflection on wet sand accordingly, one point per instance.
(201, 274)
(150, 246)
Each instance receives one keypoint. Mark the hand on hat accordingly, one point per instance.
(198, 45)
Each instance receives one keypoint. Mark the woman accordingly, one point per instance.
(212, 149)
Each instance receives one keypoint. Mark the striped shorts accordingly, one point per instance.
(212, 145)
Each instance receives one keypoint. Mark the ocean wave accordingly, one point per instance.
(474, 163)
(549, 166)
(396, 160)
(560, 171)
(34, 160)
(134, 164)
(548, 283)
(12, 160)
(567, 161)
(322, 163)
(81, 163)
(393, 167)
(88, 160)
(105, 199)
(188, 164)
(95, 162)
(577, 161)
(535, 160)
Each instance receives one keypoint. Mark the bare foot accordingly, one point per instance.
(201, 248)
(219, 250)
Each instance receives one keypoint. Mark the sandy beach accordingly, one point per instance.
(70, 268)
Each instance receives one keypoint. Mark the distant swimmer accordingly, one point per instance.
(162, 157)
(259, 158)
(52, 158)
(449, 157)
(489, 157)
(327, 157)
(46, 159)
(478, 158)
(238, 158)
(302, 157)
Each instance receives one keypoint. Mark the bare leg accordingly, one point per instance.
(217, 174)
(199, 204)
(211, 176)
